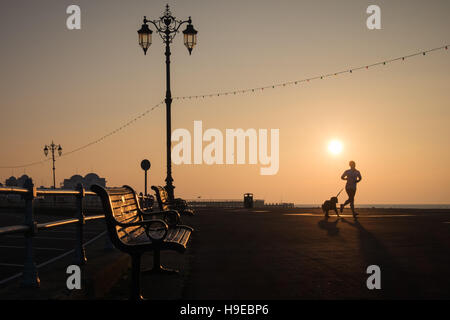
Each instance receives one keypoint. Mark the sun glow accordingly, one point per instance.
(335, 147)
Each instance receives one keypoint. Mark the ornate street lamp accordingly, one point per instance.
(167, 27)
(53, 147)
(145, 37)
(190, 36)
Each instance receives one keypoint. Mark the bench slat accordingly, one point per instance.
(116, 204)
(125, 208)
(121, 202)
(162, 196)
(122, 197)
(179, 235)
(136, 235)
(119, 191)
(173, 235)
(128, 219)
(120, 215)
(185, 238)
(130, 234)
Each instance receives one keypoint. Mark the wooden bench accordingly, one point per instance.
(146, 202)
(165, 204)
(133, 231)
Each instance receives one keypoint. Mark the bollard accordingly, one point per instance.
(30, 273)
(80, 252)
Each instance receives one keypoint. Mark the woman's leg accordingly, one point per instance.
(352, 200)
(351, 195)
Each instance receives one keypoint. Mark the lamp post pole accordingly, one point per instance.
(167, 27)
(168, 100)
(53, 147)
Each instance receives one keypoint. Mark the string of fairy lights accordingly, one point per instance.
(319, 77)
(143, 114)
(237, 92)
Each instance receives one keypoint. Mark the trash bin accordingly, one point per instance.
(248, 200)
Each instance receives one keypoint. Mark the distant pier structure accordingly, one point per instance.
(235, 203)
(71, 183)
(87, 181)
(223, 203)
(51, 202)
(16, 182)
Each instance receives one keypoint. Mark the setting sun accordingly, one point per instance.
(335, 147)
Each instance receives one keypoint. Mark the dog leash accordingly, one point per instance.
(339, 193)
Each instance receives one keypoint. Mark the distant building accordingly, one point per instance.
(22, 179)
(14, 182)
(11, 182)
(87, 181)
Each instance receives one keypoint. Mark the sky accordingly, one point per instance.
(74, 86)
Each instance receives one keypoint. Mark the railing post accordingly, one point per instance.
(80, 253)
(30, 273)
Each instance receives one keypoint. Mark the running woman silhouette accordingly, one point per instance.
(352, 176)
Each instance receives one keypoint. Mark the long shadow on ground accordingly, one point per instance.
(396, 283)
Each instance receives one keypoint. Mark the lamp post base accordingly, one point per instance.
(169, 188)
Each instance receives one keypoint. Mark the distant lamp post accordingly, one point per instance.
(167, 27)
(53, 147)
(145, 165)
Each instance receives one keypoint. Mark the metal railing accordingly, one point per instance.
(30, 227)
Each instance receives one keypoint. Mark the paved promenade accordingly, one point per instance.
(278, 254)
(297, 254)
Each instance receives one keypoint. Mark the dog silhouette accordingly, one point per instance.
(329, 205)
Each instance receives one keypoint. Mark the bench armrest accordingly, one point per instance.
(156, 229)
(171, 217)
(138, 223)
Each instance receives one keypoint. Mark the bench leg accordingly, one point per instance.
(135, 286)
(157, 268)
